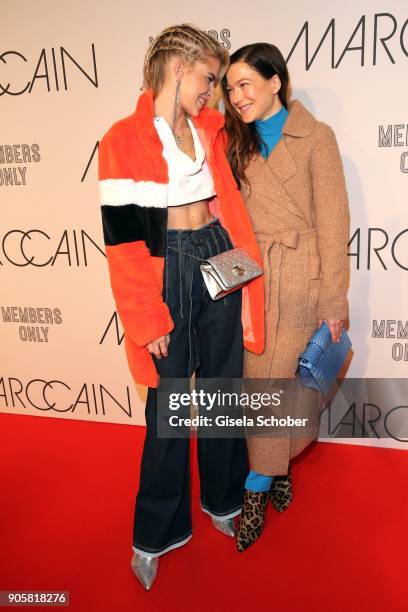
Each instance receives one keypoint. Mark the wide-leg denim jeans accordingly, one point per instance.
(207, 339)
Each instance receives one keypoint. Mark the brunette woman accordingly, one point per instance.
(290, 172)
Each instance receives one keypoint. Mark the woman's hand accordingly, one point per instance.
(335, 326)
(159, 347)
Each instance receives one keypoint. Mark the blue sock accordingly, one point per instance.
(258, 483)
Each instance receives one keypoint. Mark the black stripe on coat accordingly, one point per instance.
(131, 222)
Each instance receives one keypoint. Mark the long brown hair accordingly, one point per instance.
(185, 41)
(243, 139)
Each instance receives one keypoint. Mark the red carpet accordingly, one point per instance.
(67, 498)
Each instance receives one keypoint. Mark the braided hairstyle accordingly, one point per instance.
(185, 41)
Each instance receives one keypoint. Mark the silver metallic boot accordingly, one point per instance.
(145, 568)
(225, 526)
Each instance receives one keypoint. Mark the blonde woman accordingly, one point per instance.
(169, 200)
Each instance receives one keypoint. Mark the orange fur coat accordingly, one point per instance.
(133, 179)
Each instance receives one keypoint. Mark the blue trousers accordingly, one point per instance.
(207, 339)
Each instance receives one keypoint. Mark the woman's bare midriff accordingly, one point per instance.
(189, 216)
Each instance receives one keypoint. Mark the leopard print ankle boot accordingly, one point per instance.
(280, 493)
(252, 519)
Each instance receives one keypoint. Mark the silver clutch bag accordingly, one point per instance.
(228, 272)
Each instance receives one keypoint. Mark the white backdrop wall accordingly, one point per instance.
(70, 69)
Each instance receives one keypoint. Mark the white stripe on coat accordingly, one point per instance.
(117, 192)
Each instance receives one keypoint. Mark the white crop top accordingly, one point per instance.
(189, 181)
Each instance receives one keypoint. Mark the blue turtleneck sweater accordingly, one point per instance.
(270, 131)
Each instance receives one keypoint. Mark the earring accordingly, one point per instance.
(176, 104)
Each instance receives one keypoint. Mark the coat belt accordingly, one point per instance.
(272, 257)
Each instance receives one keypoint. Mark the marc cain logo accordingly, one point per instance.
(52, 69)
(223, 37)
(376, 248)
(365, 420)
(34, 247)
(58, 396)
(373, 39)
(113, 323)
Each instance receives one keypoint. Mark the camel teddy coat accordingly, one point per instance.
(298, 204)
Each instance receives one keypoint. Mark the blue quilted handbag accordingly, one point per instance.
(322, 359)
